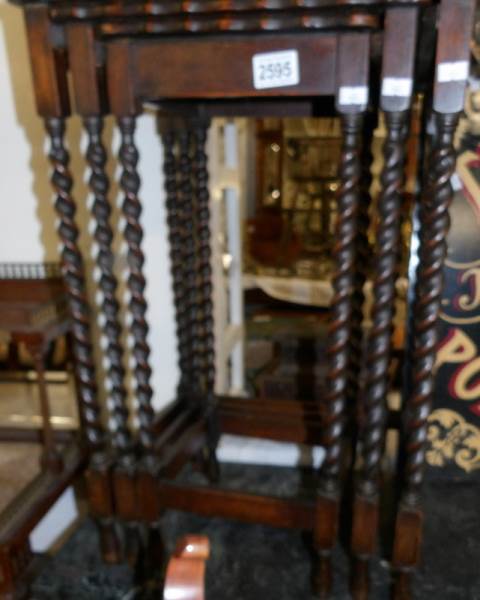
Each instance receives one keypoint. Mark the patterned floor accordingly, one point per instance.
(249, 562)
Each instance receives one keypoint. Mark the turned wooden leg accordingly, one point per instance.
(188, 215)
(434, 226)
(98, 472)
(349, 195)
(205, 322)
(36, 345)
(110, 545)
(385, 272)
(100, 494)
(357, 365)
(325, 537)
(50, 459)
(448, 100)
(132, 499)
(153, 562)
(453, 44)
(152, 554)
(126, 504)
(337, 349)
(366, 502)
(189, 306)
(96, 156)
(123, 476)
(362, 263)
(72, 266)
(176, 168)
(132, 208)
(15, 559)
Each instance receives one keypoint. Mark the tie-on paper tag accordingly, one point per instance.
(400, 87)
(453, 71)
(353, 95)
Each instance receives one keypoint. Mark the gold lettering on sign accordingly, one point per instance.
(462, 379)
(456, 348)
(452, 438)
(467, 302)
(469, 180)
(470, 301)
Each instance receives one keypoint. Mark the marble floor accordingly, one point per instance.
(252, 562)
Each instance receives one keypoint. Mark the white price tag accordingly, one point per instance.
(453, 71)
(276, 69)
(400, 87)
(353, 95)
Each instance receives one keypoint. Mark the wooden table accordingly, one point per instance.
(194, 60)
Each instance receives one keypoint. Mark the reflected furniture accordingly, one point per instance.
(33, 310)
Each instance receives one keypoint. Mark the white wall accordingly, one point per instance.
(20, 216)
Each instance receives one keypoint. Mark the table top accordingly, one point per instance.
(169, 7)
(175, 17)
(207, 16)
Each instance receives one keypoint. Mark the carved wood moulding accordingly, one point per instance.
(140, 19)
(119, 8)
(137, 17)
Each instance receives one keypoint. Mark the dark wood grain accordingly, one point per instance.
(205, 322)
(175, 221)
(130, 185)
(101, 211)
(188, 240)
(189, 73)
(277, 512)
(435, 199)
(73, 273)
(454, 34)
(398, 65)
(47, 63)
(218, 17)
(351, 74)
(114, 8)
(84, 67)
